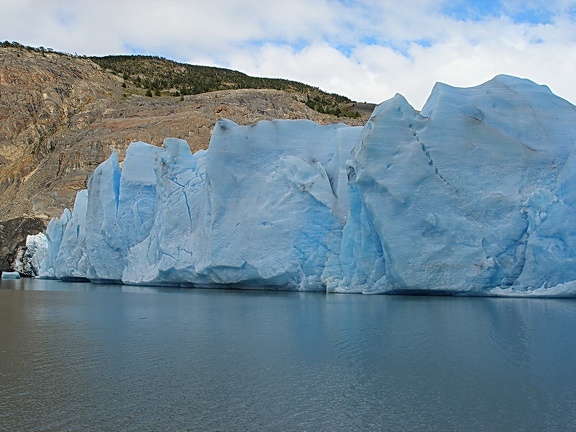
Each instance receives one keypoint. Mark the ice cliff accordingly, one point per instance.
(475, 194)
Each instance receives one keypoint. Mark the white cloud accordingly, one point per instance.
(367, 50)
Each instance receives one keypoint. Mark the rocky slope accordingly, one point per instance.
(61, 115)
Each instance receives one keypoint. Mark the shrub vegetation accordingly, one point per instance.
(163, 77)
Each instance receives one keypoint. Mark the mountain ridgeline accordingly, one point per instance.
(157, 76)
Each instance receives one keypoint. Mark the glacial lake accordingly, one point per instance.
(81, 357)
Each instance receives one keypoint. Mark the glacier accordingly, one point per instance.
(473, 195)
(29, 257)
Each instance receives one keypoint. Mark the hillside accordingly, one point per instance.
(61, 115)
(156, 76)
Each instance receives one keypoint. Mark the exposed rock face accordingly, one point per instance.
(60, 116)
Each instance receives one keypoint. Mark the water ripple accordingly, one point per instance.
(105, 359)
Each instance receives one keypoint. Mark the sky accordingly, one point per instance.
(367, 50)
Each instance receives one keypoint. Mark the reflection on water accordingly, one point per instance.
(102, 357)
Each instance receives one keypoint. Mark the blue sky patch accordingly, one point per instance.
(472, 10)
(424, 43)
(345, 49)
(532, 16)
(464, 10)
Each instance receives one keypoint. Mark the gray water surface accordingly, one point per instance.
(81, 357)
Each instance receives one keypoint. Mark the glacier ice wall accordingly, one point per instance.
(465, 189)
(475, 194)
(260, 207)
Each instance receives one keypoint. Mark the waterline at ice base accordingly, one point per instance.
(473, 195)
